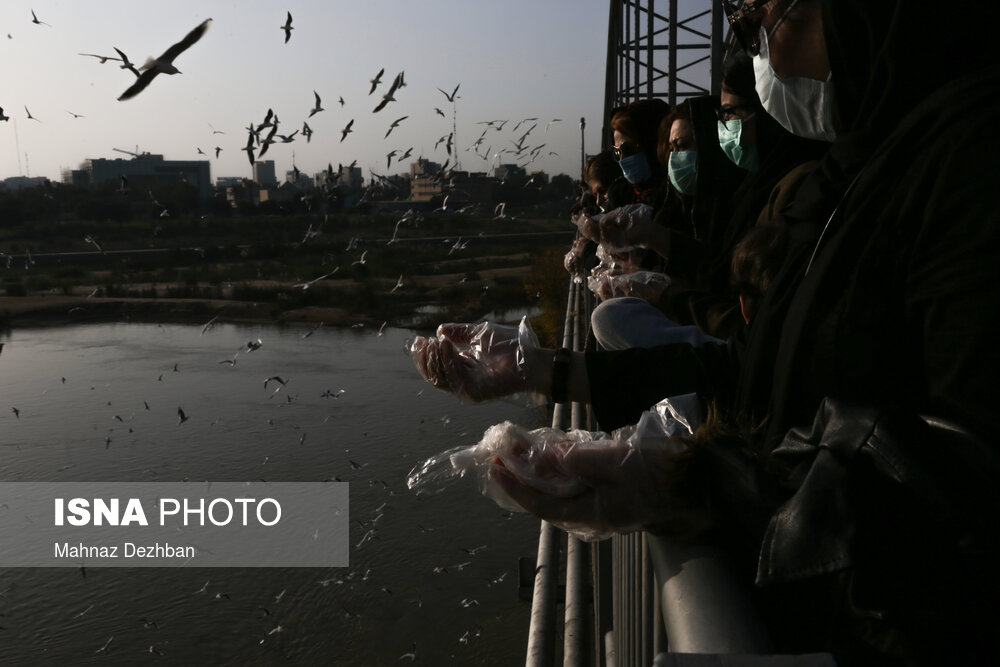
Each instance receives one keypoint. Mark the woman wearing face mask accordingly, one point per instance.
(634, 131)
(772, 160)
(861, 498)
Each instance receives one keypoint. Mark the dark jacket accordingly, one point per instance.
(893, 307)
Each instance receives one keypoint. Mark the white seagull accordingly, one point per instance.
(165, 63)
(103, 59)
(312, 282)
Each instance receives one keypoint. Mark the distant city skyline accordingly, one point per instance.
(510, 62)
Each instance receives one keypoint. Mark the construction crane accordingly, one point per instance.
(133, 154)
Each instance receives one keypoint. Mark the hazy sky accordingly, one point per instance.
(513, 60)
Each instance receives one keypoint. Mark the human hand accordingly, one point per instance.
(641, 284)
(620, 229)
(476, 362)
(620, 488)
(580, 258)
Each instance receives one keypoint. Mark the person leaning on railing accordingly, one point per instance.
(870, 525)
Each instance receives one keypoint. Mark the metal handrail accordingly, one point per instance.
(542, 628)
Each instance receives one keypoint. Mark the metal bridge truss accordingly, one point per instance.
(658, 49)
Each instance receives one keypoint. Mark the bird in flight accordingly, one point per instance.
(2, 116)
(394, 125)
(30, 117)
(377, 80)
(451, 98)
(288, 28)
(126, 63)
(347, 130)
(103, 59)
(388, 97)
(316, 109)
(34, 19)
(91, 240)
(75, 115)
(312, 282)
(249, 148)
(181, 417)
(165, 63)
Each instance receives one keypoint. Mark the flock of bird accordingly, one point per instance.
(492, 151)
(279, 615)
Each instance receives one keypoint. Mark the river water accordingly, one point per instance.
(414, 583)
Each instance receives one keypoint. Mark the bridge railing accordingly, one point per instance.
(631, 598)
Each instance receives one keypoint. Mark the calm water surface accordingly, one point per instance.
(75, 387)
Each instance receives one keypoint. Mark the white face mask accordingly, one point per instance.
(801, 105)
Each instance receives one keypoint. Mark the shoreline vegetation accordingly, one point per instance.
(415, 272)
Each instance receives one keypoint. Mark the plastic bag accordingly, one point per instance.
(611, 229)
(580, 259)
(642, 284)
(555, 470)
(476, 362)
(534, 456)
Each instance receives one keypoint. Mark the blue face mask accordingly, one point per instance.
(730, 133)
(636, 168)
(682, 167)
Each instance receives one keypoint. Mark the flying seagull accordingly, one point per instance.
(288, 28)
(451, 98)
(377, 80)
(164, 64)
(126, 63)
(394, 125)
(2, 116)
(103, 59)
(316, 109)
(347, 130)
(388, 97)
(74, 115)
(30, 117)
(312, 282)
(249, 148)
(34, 19)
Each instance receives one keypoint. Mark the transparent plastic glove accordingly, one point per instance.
(476, 362)
(619, 262)
(532, 454)
(642, 284)
(580, 259)
(619, 230)
(587, 483)
(620, 488)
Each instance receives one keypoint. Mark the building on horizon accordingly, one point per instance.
(21, 182)
(145, 170)
(505, 171)
(264, 174)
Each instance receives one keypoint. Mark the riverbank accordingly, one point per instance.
(433, 297)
